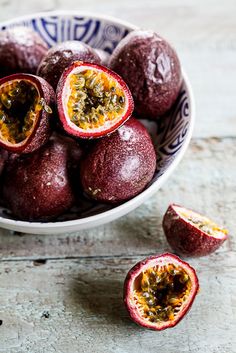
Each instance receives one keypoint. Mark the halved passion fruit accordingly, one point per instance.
(190, 233)
(159, 291)
(25, 107)
(92, 100)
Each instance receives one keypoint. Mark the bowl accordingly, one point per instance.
(171, 135)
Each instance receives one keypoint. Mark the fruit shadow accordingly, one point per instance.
(100, 298)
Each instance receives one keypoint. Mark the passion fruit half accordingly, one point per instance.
(26, 107)
(92, 100)
(190, 233)
(159, 291)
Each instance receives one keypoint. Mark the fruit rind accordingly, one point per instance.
(185, 238)
(61, 89)
(148, 263)
(42, 129)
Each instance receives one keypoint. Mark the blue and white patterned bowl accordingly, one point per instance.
(171, 135)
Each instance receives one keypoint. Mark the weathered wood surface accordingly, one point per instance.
(63, 293)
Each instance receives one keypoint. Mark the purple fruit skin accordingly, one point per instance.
(151, 69)
(61, 56)
(119, 166)
(21, 50)
(104, 56)
(38, 187)
(3, 159)
(186, 239)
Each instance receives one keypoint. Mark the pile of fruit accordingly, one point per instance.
(66, 127)
(66, 119)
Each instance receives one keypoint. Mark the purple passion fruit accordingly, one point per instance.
(21, 50)
(190, 233)
(92, 100)
(120, 166)
(3, 158)
(38, 186)
(151, 69)
(61, 56)
(26, 104)
(159, 291)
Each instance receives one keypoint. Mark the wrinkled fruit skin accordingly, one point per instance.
(104, 56)
(21, 50)
(3, 159)
(38, 187)
(135, 271)
(186, 239)
(61, 56)
(119, 166)
(43, 129)
(151, 69)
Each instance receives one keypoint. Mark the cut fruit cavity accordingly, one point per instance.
(159, 291)
(92, 100)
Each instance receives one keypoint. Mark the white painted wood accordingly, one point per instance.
(80, 285)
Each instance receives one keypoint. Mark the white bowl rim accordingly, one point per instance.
(128, 206)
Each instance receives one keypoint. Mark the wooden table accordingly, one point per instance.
(63, 293)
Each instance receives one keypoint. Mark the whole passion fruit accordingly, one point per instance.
(151, 69)
(190, 233)
(39, 186)
(120, 166)
(159, 291)
(26, 107)
(21, 50)
(3, 159)
(92, 100)
(61, 56)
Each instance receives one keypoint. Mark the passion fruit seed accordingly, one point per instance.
(94, 99)
(161, 291)
(203, 223)
(20, 104)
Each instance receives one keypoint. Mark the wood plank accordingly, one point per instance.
(76, 306)
(204, 180)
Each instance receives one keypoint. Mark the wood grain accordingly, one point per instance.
(76, 306)
(63, 293)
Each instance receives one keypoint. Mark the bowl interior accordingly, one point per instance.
(169, 134)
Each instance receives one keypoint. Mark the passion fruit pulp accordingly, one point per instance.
(190, 233)
(61, 56)
(159, 291)
(92, 100)
(26, 104)
(21, 50)
(118, 167)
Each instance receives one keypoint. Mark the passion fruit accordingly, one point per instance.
(39, 186)
(61, 56)
(92, 100)
(190, 233)
(151, 69)
(159, 291)
(120, 166)
(3, 159)
(21, 50)
(26, 107)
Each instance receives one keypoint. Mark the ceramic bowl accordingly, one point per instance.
(170, 135)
